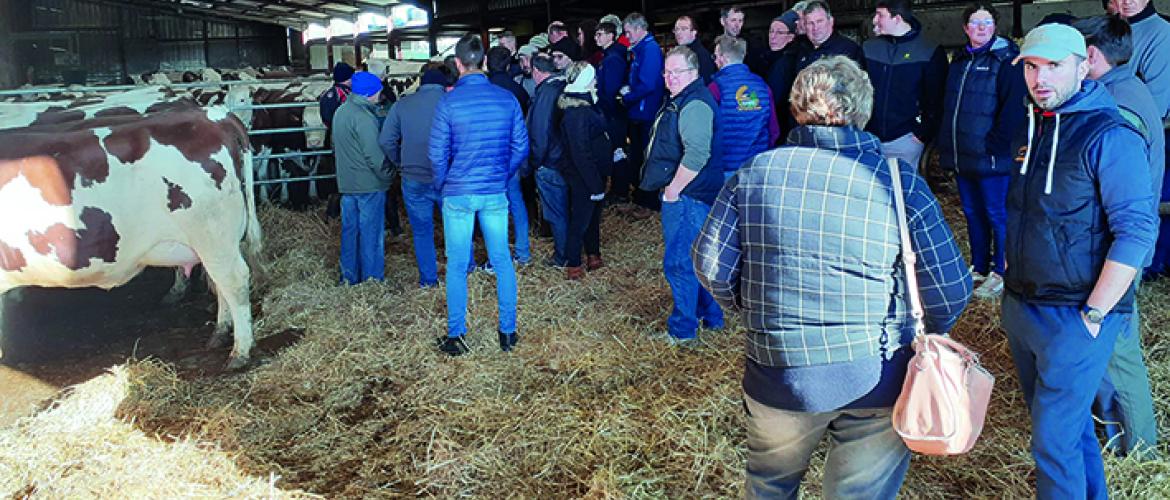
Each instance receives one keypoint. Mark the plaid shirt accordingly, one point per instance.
(804, 241)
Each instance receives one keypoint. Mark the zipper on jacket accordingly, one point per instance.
(955, 119)
(886, 97)
(1020, 232)
(650, 147)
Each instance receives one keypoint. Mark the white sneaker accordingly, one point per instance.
(991, 288)
(976, 277)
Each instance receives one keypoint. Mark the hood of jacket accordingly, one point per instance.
(1000, 47)
(1092, 96)
(575, 100)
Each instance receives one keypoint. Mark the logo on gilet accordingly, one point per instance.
(746, 100)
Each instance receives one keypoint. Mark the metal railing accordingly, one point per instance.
(257, 160)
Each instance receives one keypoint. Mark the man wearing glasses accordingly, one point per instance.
(683, 161)
(687, 36)
(782, 66)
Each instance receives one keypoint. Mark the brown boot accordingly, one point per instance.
(574, 273)
(593, 262)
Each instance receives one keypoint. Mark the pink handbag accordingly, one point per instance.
(945, 396)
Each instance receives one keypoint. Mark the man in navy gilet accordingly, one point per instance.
(1080, 223)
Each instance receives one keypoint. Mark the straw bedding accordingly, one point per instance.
(590, 405)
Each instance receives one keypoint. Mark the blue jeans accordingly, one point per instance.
(554, 204)
(1124, 400)
(681, 222)
(362, 243)
(519, 219)
(866, 458)
(459, 216)
(1060, 367)
(985, 206)
(421, 199)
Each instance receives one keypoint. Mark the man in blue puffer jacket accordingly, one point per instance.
(642, 97)
(746, 112)
(478, 142)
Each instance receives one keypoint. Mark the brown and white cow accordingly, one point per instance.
(95, 201)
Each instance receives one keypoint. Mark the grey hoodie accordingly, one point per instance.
(406, 135)
(360, 162)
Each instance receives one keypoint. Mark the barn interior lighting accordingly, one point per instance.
(341, 27)
(408, 16)
(314, 32)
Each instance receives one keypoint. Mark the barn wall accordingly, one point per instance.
(95, 41)
(9, 69)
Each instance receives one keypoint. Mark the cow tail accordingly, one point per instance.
(253, 240)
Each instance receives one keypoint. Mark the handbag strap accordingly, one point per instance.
(908, 256)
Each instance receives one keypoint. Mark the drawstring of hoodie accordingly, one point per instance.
(1031, 132)
(1052, 155)
(1052, 152)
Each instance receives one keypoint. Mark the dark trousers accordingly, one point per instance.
(629, 175)
(584, 225)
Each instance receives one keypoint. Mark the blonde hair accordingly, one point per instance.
(833, 91)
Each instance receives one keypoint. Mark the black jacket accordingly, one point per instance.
(544, 136)
(331, 100)
(589, 157)
(781, 73)
(502, 79)
(707, 67)
(909, 74)
(836, 45)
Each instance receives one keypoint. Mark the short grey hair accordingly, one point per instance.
(636, 20)
(686, 53)
(811, 5)
(731, 48)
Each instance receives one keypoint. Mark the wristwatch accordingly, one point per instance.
(1092, 314)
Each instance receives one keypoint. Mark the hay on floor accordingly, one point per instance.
(589, 405)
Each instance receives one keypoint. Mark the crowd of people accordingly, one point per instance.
(769, 165)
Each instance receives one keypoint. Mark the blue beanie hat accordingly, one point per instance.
(365, 84)
(342, 72)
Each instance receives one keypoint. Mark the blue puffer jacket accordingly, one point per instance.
(647, 88)
(611, 75)
(983, 110)
(745, 110)
(1070, 211)
(478, 139)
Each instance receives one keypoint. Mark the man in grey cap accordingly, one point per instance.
(1079, 225)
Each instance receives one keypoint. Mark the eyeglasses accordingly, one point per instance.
(682, 30)
(981, 23)
(677, 73)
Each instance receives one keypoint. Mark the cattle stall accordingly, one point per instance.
(92, 41)
(276, 162)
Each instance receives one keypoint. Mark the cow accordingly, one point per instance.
(102, 198)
